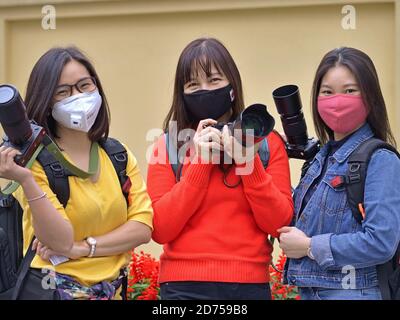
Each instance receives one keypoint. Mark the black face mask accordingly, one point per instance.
(204, 104)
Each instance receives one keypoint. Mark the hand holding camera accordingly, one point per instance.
(207, 140)
(236, 150)
(9, 169)
(239, 139)
(242, 137)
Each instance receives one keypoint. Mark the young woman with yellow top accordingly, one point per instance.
(97, 228)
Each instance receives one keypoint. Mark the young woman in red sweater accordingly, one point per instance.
(214, 223)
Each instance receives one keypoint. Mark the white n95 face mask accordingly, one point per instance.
(78, 112)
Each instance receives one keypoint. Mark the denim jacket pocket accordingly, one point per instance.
(332, 207)
(334, 200)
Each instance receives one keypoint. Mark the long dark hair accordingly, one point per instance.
(43, 82)
(202, 53)
(363, 69)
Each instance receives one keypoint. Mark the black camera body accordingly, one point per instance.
(20, 133)
(303, 152)
(298, 144)
(254, 118)
(220, 126)
(28, 148)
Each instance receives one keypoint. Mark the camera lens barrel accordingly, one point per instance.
(256, 118)
(13, 117)
(295, 129)
(288, 103)
(287, 100)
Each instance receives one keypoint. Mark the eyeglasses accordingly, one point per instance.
(87, 84)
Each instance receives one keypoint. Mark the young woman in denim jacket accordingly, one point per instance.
(332, 256)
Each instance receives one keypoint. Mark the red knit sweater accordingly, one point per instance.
(214, 233)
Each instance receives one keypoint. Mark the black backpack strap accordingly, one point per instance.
(124, 288)
(383, 272)
(57, 176)
(357, 172)
(389, 277)
(119, 158)
(304, 168)
(23, 270)
(393, 266)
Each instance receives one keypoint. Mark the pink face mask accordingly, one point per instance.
(342, 113)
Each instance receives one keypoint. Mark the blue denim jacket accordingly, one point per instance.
(338, 242)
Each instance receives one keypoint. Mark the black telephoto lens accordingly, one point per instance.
(288, 103)
(13, 117)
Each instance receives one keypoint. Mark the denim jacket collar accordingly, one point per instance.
(341, 155)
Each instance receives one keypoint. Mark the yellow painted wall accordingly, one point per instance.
(136, 54)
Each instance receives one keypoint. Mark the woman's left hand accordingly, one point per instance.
(236, 150)
(78, 250)
(294, 242)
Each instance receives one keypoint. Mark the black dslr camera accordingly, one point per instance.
(288, 103)
(255, 118)
(20, 133)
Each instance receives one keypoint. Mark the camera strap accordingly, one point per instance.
(51, 146)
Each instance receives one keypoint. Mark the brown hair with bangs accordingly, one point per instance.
(202, 54)
(44, 78)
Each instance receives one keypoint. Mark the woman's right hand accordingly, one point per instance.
(207, 140)
(9, 169)
(78, 250)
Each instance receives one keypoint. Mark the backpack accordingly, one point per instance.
(13, 266)
(354, 182)
(263, 152)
